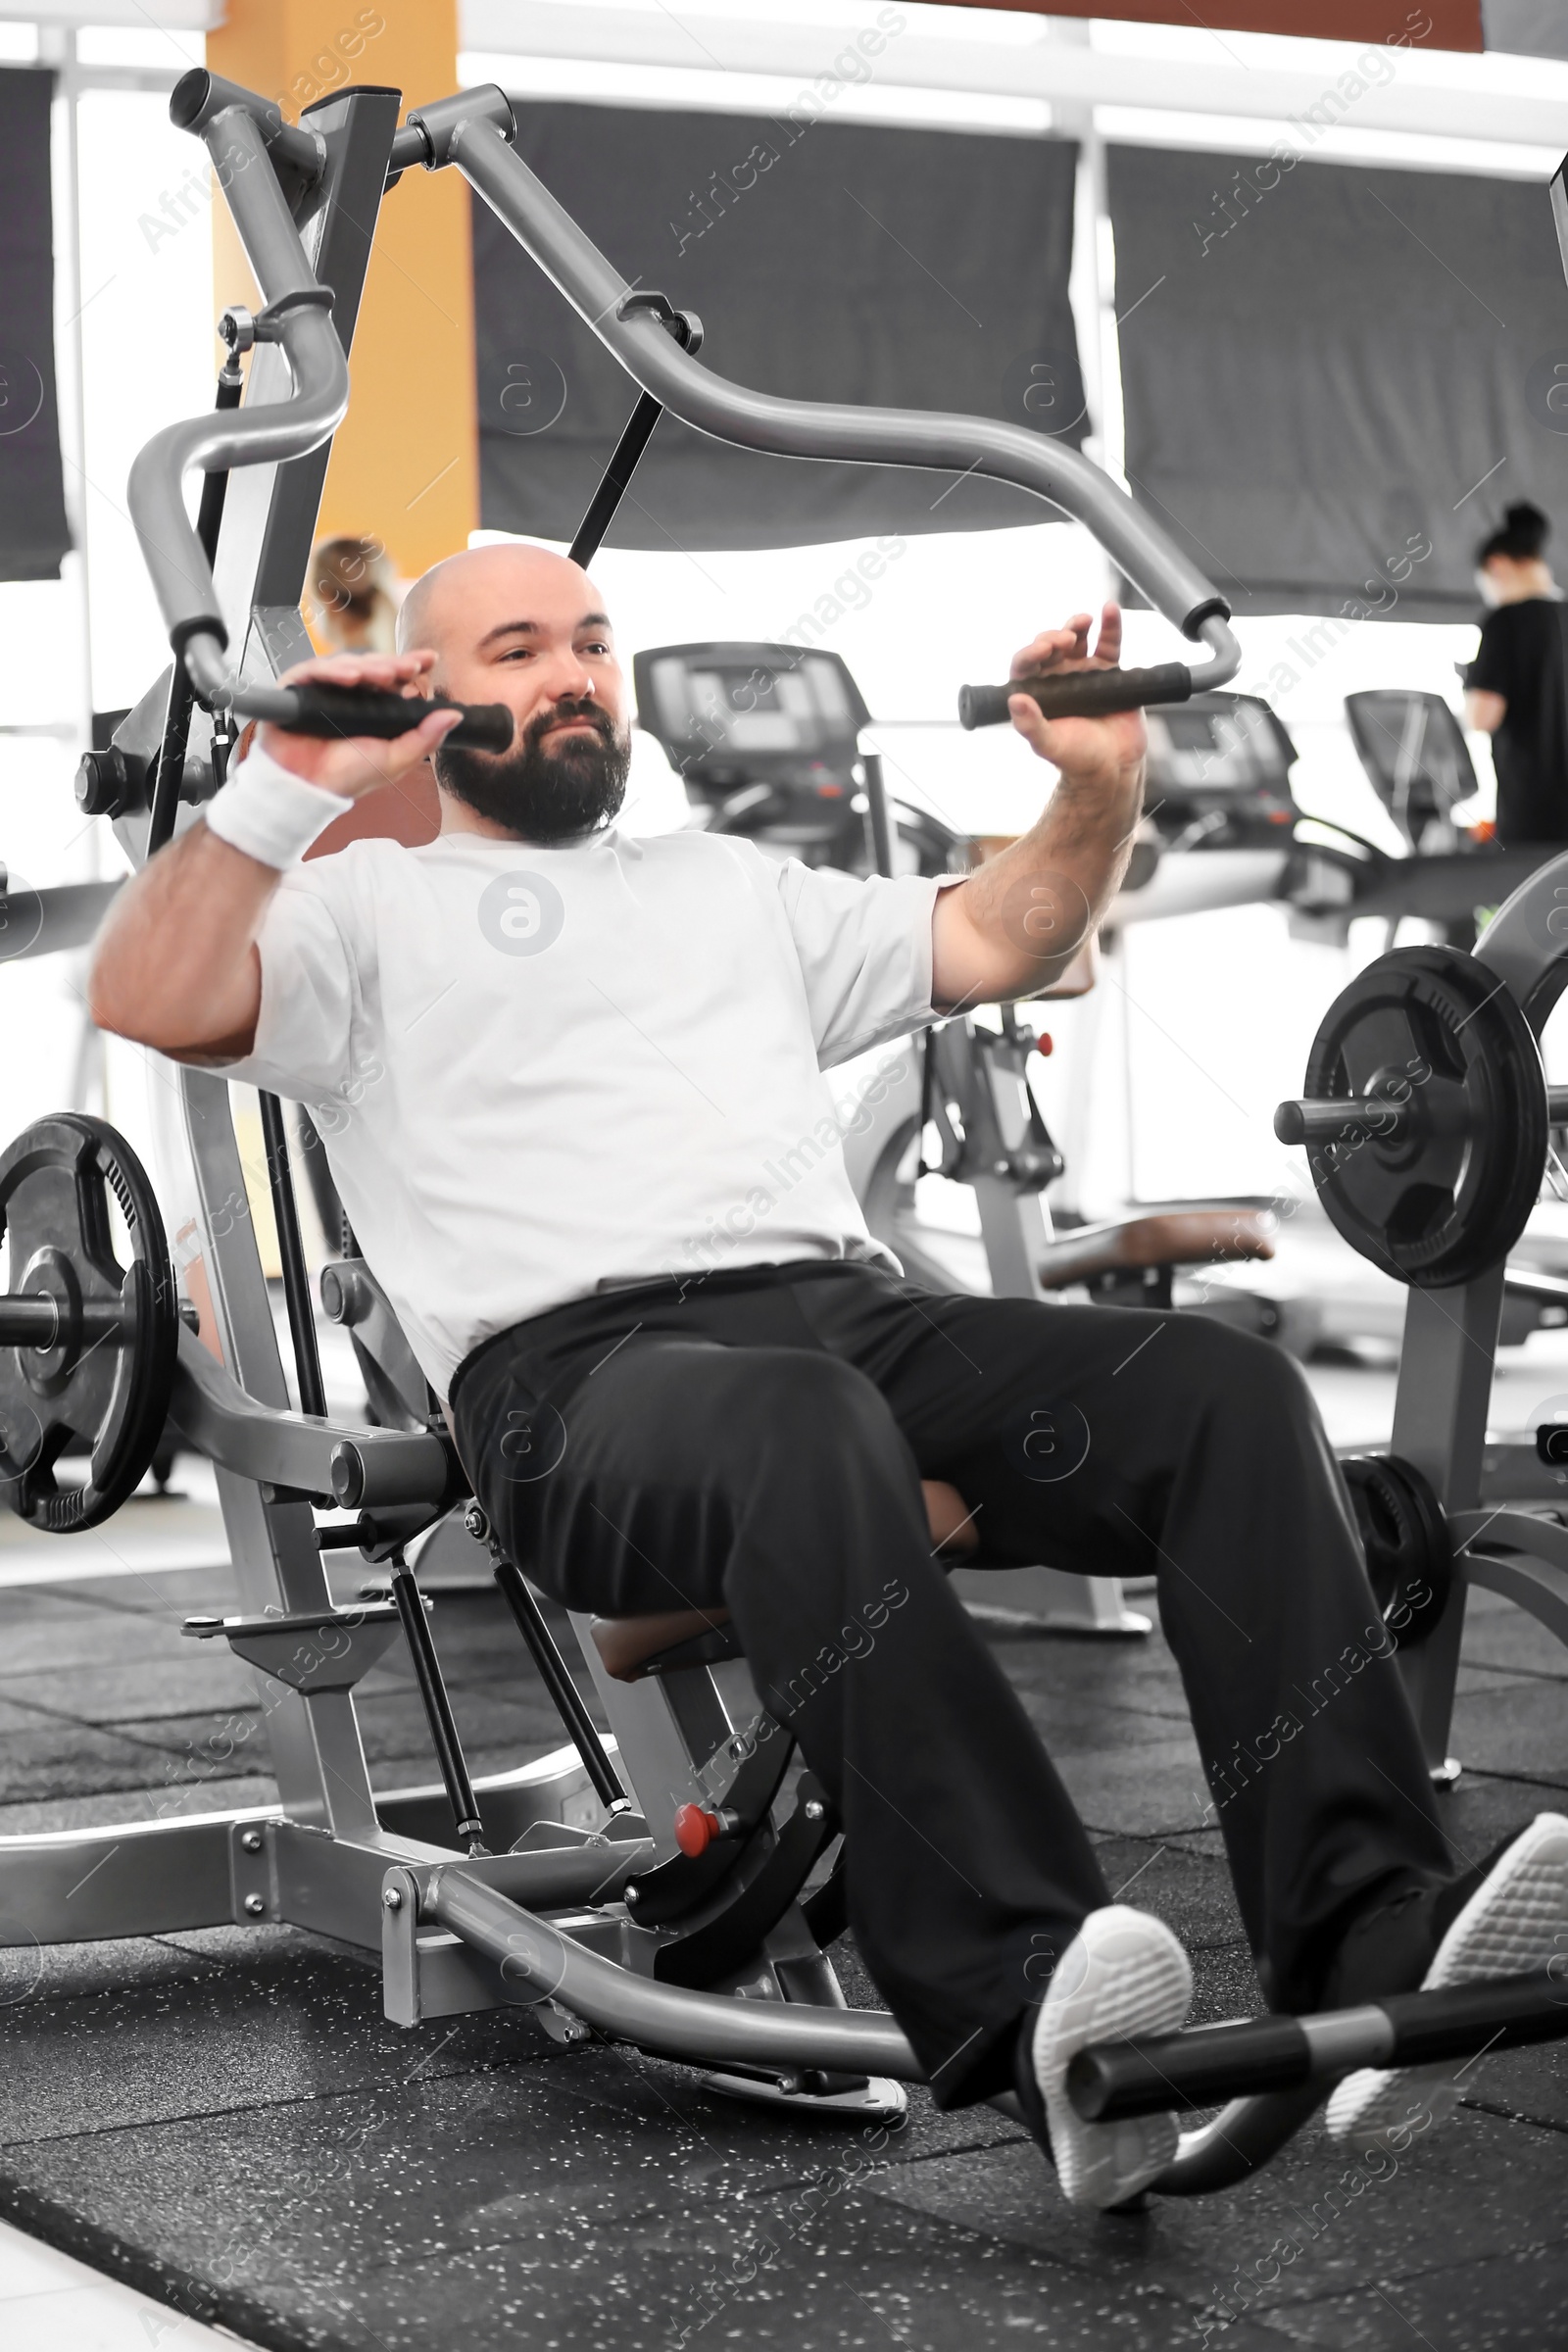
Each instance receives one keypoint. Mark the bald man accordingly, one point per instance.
(559, 1071)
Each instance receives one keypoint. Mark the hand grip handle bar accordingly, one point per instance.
(1349, 1118)
(323, 709)
(239, 136)
(1209, 2064)
(1078, 693)
(473, 131)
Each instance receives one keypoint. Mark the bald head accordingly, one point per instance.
(470, 594)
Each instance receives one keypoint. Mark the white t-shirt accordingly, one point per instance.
(539, 1070)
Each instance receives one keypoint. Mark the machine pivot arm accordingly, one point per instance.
(471, 132)
(361, 1467)
(236, 129)
(710, 2028)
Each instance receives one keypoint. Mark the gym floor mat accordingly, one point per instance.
(227, 2122)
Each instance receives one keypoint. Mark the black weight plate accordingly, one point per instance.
(108, 1392)
(1409, 1552)
(1448, 1194)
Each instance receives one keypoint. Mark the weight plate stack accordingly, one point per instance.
(1440, 1161)
(1409, 1551)
(98, 1379)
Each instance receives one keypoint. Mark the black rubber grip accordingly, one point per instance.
(1206, 2066)
(1202, 2068)
(1078, 693)
(1506, 2013)
(325, 709)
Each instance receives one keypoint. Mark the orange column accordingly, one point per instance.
(405, 467)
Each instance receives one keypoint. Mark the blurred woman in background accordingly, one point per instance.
(354, 597)
(1515, 687)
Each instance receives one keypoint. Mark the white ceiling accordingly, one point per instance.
(1022, 71)
(172, 15)
(985, 69)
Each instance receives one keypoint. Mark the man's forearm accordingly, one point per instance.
(1019, 921)
(176, 964)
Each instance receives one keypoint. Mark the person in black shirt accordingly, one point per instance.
(1514, 689)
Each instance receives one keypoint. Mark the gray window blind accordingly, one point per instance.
(1335, 377)
(34, 536)
(826, 261)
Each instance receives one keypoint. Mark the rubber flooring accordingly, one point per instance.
(226, 2121)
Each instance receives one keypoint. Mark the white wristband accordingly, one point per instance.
(270, 812)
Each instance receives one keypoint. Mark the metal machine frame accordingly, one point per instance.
(1007, 1169)
(1444, 1384)
(541, 1925)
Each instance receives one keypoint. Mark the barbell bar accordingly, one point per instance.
(1343, 1119)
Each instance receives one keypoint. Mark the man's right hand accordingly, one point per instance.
(356, 763)
(176, 964)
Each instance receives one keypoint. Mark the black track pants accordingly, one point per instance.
(759, 1440)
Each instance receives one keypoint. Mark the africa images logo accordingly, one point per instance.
(522, 912)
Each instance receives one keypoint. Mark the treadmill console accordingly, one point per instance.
(1219, 774)
(766, 739)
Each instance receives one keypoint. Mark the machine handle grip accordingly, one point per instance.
(1078, 693)
(324, 709)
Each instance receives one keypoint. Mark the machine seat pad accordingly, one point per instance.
(631, 1647)
(1181, 1237)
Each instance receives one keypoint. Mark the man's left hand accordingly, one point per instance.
(1083, 747)
(1015, 925)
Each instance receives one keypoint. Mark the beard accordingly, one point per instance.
(543, 792)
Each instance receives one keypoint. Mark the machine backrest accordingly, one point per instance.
(1415, 756)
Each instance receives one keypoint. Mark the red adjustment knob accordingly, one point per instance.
(695, 1829)
(1044, 1042)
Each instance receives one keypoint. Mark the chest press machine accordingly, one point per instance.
(652, 1887)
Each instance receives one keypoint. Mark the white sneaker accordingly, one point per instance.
(1123, 1973)
(1514, 1922)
